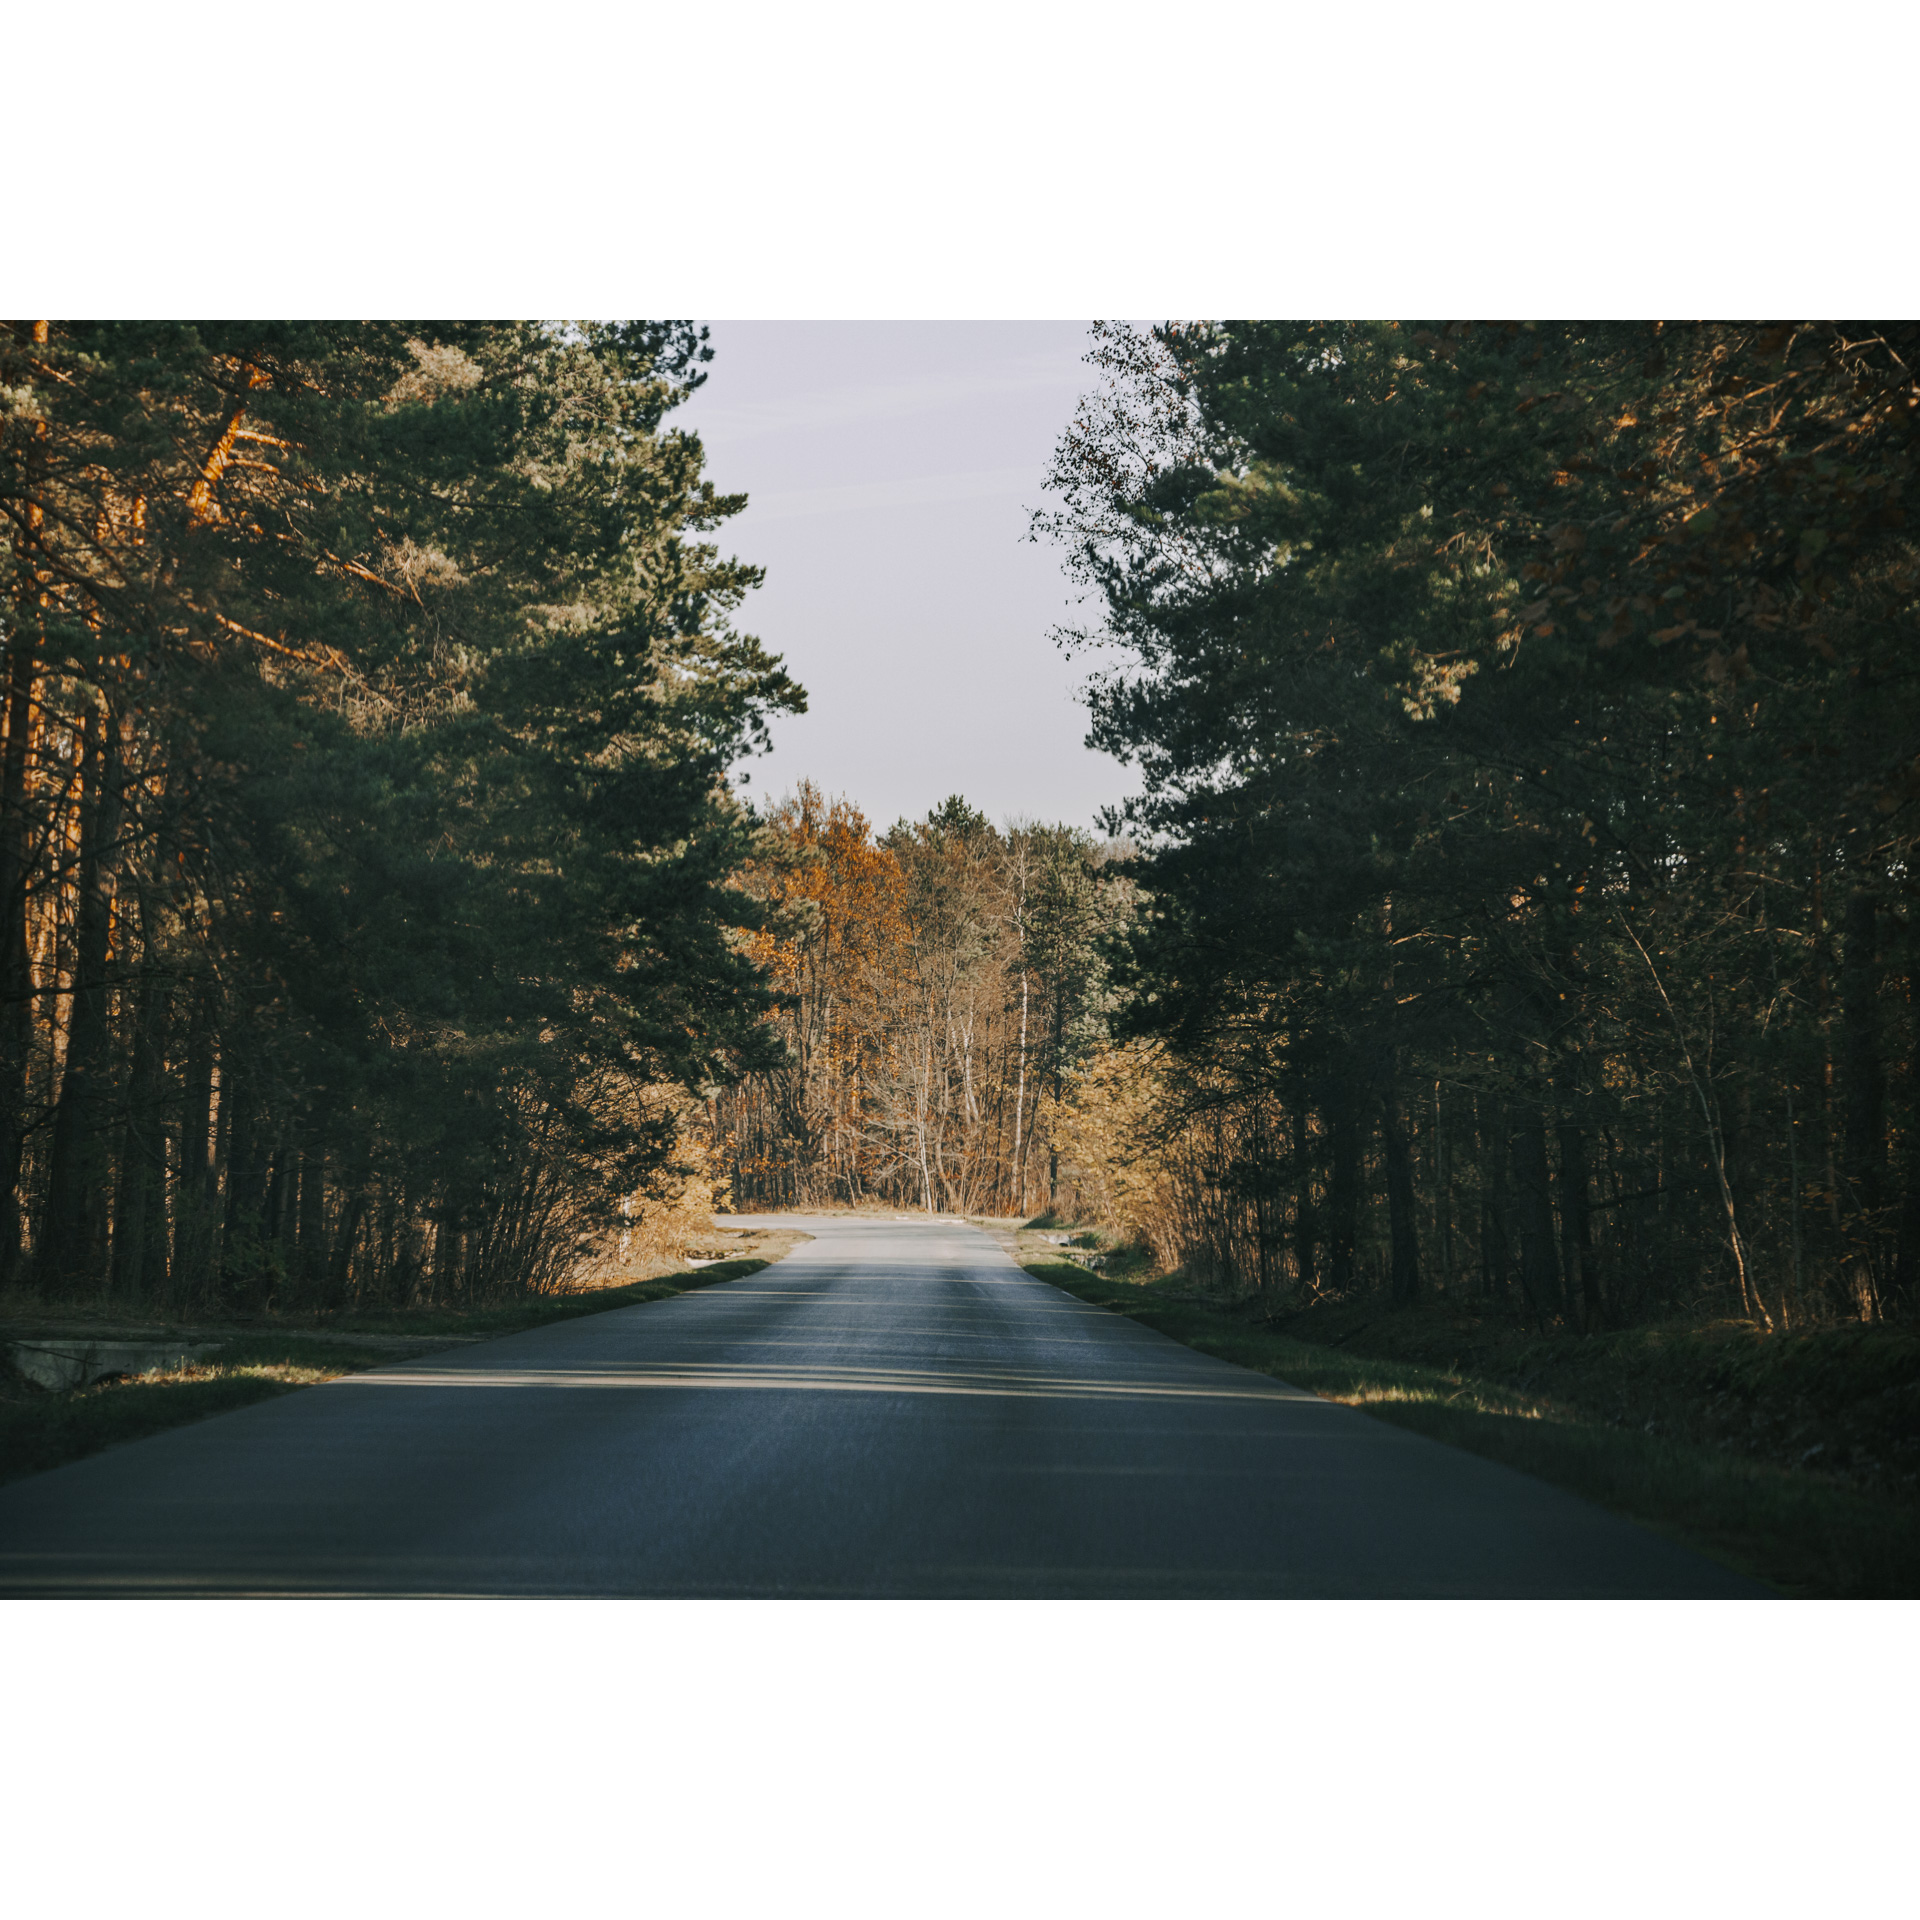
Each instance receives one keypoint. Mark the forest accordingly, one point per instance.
(1517, 908)
(366, 855)
(935, 987)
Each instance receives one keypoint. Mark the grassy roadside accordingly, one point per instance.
(39, 1430)
(1798, 1531)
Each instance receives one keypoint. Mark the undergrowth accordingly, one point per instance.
(1800, 1531)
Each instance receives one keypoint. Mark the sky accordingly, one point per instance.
(891, 469)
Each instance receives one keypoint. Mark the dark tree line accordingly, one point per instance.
(365, 850)
(1531, 749)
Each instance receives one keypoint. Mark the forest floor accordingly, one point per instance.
(1794, 1457)
(260, 1355)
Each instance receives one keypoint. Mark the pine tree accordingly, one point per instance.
(371, 693)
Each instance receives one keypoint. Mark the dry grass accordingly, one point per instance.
(634, 1266)
(39, 1430)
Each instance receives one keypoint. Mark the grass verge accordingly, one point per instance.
(489, 1323)
(1799, 1532)
(39, 1430)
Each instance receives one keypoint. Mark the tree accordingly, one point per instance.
(370, 687)
(1493, 688)
(932, 984)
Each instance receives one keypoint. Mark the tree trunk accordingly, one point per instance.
(192, 1202)
(1579, 1262)
(73, 1243)
(1906, 1259)
(1020, 1092)
(16, 956)
(1863, 1093)
(1404, 1280)
(139, 1237)
(1343, 1189)
(249, 1171)
(16, 849)
(1576, 1227)
(1490, 1147)
(339, 1270)
(1539, 1268)
(310, 1252)
(1303, 1223)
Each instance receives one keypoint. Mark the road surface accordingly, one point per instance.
(894, 1409)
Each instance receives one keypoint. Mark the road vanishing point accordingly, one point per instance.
(896, 1409)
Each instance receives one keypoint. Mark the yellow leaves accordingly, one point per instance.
(1103, 1126)
(673, 1207)
(1437, 682)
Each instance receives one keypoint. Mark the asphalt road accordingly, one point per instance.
(894, 1409)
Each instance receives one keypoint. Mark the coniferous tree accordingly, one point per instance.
(367, 846)
(1524, 717)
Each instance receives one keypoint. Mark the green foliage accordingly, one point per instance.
(417, 688)
(1528, 738)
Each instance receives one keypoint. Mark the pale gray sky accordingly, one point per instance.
(891, 468)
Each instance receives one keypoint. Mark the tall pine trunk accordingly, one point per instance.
(1303, 1221)
(193, 1189)
(1539, 1265)
(309, 1266)
(1343, 1188)
(1863, 1094)
(139, 1234)
(1577, 1256)
(16, 956)
(1404, 1272)
(16, 849)
(1906, 1260)
(73, 1241)
(249, 1168)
